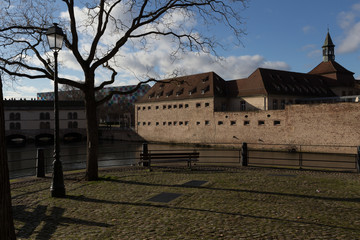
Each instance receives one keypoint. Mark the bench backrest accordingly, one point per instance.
(172, 155)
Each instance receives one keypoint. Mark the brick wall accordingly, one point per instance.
(317, 124)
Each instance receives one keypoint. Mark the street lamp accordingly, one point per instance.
(55, 37)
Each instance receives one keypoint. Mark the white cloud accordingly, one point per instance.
(308, 29)
(350, 23)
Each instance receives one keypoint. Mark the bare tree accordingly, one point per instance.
(94, 40)
(7, 230)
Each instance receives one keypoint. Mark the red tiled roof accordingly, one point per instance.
(329, 67)
(194, 86)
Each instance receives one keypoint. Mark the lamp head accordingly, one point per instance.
(55, 37)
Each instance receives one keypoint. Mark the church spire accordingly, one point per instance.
(328, 49)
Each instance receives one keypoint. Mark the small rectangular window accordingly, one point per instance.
(157, 123)
(157, 107)
(169, 123)
(144, 123)
(186, 123)
(181, 123)
(164, 123)
(207, 104)
(261, 122)
(149, 123)
(169, 106)
(232, 123)
(207, 122)
(197, 123)
(149, 107)
(277, 122)
(139, 123)
(186, 105)
(144, 108)
(175, 123)
(175, 106)
(246, 123)
(164, 106)
(138, 108)
(198, 105)
(220, 122)
(180, 106)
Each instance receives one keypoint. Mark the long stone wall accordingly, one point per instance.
(317, 124)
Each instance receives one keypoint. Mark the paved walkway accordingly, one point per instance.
(211, 203)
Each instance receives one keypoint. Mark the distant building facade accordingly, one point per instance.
(119, 109)
(204, 108)
(31, 119)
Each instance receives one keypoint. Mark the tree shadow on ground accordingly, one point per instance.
(33, 219)
(165, 206)
(355, 200)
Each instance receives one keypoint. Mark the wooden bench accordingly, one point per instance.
(150, 158)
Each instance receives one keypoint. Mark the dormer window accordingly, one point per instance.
(206, 89)
(169, 93)
(152, 95)
(179, 92)
(159, 94)
(192, 91)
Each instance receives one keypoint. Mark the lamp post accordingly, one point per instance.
(55, 37)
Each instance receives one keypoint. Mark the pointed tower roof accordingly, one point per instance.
(328, 41)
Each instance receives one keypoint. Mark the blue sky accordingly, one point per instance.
(281, 34)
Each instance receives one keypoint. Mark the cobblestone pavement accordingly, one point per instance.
(228, 203)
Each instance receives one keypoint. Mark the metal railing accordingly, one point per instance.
(286, 157)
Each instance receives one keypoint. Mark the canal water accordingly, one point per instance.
(22, 160)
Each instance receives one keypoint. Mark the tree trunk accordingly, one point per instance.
(92, 136)
(7, 230)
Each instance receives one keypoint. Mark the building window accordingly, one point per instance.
(169, 106)
(138, 108)
(164, 123)
(198, 105)
(149, 108)
(232, 123)
(277, 122)
(149, 123)
(207, 122)
(144, 123)
(197, 123)
(157, 123)
(169, 123)
(282, 104)
(207, 104)
(144, 108)
(186, 123)
(242, 106)
(175, 123)
(164, 106)
(44, 125)
(138, 123)
(181, 123)
(157, 107)
(180, 106)
(275, 104)
(175, 106)
(261, 122)
(246, 123)
(220, 122)
(186, 105)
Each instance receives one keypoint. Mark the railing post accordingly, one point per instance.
(358, 159)
(244, 155)
(145, 152)
(40, 163)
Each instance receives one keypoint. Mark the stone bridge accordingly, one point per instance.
(43, 136)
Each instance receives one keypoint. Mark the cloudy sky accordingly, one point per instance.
(280, 34)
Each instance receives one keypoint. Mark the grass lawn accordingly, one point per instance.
(219, 203)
